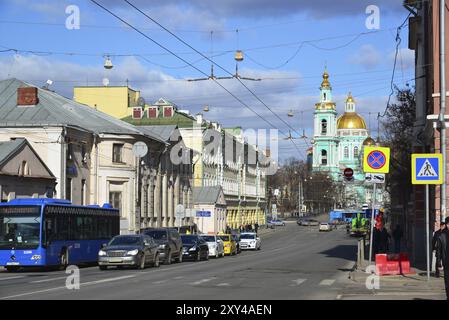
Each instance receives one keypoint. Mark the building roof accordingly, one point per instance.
(56, 110)
(351, 120)
(163, 132)
(206, 195)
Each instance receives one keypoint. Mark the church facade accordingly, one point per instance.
(338, 142)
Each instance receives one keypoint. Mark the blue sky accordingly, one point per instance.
(269, 33)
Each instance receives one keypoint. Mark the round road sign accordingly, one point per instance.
(376, 159)
(140, 149)
(348, 173)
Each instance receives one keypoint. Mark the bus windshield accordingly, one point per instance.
(20, 228)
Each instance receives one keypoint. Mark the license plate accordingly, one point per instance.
(12, 263)
(114, 260)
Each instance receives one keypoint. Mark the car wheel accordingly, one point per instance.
(180, 257)
(169, 258)
(156, 263)
(102, 268)
(198, 256)
(216, 254)
(207, 255)
(141, 265)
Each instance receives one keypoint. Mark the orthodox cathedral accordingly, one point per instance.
(338, 142)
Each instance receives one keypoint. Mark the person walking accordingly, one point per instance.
(256, 227)
(397, 236)
(443, 251)
(435, 248)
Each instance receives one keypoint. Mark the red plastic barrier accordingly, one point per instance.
(392, 264)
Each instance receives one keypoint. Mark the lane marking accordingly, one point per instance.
(297, 282)
(159, 282)
(9, 278)
(327, 282)
(201, 281)
(223, 284)
(64, 287)
(47, 280)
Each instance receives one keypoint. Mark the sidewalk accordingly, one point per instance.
(398, 287)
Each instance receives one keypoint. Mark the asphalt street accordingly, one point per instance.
(294, 263)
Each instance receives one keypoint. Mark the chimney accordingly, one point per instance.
(27, 96)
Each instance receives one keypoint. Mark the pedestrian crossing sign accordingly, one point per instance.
(427, 168)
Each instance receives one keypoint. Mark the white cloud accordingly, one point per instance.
(405, 59)
(367, 56)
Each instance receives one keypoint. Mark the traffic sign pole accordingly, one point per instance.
(372, 224)
(427, 233)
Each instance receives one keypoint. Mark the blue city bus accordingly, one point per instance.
(53, 232)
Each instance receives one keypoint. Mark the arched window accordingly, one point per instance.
(323, 157)
(346, 152)
(324, 96)
(323, 127)
(356, 152)
(23, 169)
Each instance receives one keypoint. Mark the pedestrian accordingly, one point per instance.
(397, 236)
(435, 248)
(443, 251)
(256, 227)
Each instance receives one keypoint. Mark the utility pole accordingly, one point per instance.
(443, 106)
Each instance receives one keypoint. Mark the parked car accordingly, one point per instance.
(309, 222)
(194, 247)
(269, 224)
(169, 241)
(325, 226)
(216, 246)
(230, 247)
(249, 240)
(278, 222)
(129, 250)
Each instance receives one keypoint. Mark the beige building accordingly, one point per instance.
(90, 153)
(22, 173)
(210, 205)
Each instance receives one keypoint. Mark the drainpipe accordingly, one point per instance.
(443, 105)
(96, 171)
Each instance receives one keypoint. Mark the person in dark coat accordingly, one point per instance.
(380, 239)
(435, 248)
(397, 236)
(443, 251)
(256, 227)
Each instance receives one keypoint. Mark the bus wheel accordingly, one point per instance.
(12, 269)
(103, 267)
(64, 260)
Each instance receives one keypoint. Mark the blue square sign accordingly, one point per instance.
(427, 168)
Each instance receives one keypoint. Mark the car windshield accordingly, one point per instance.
(248, 236)
(157, 234)
(189, 239)
(19, 227)
(224, 238)
(209, 238)
(125, 241)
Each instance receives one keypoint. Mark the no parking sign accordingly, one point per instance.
(376, 159)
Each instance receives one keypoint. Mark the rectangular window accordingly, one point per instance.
(117, 153)
(152, 113)
(68, 189)
(168, 112)
(115, 200)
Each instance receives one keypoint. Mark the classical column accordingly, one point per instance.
(150, 201)
(157, 199)
(171, 213)
(176, 199)
(164, 200)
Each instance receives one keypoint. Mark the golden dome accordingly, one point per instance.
(369, 142)
(325, 83)
(351, 120)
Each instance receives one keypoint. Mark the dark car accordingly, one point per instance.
(169, 241)
(136, 250)
(194, 247)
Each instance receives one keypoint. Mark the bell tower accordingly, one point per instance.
(325, 152)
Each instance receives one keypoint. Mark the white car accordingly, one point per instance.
(215, 244)
(324, 226)
(249, 240)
